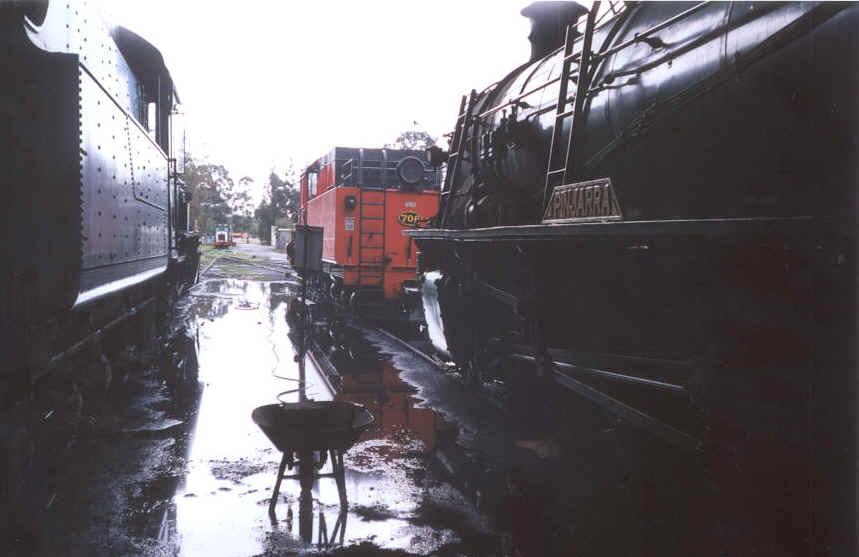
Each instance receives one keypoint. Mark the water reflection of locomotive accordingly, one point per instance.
(363, 199)
(679, 233)
(95, 213)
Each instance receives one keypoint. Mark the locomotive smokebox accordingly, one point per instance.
(549, 22)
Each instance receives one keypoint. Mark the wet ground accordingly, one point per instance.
(222, 504)
(172, 464)
(167, 460)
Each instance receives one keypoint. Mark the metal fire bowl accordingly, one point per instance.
(313, 425)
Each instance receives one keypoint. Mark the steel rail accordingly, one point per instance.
(419, 353)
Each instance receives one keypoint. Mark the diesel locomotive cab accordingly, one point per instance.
(363, 199)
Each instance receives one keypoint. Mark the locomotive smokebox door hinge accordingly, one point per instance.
(590, 201)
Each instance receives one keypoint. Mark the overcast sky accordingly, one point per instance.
(266, 82)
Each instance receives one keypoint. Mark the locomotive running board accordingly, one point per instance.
(96, 283)
(713, 228)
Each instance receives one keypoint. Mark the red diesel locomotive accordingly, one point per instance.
(363, 199)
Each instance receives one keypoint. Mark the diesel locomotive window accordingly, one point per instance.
(311, 183)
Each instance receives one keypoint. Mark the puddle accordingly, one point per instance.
(219, 504)
(180, 468)
(173, 463)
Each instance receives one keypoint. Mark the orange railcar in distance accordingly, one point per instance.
(363, 199)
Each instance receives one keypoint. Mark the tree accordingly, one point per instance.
(264, 216)
(239, 200)
(212, 189)
(414, 139)
(283, 199)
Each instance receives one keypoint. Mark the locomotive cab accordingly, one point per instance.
(364, 199)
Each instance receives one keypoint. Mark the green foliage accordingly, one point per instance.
(216, 198)
(414, 139)
(210, 186)
(282, 201)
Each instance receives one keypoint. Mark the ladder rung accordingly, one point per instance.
(371, 218)
(370, 203)
(572, 56)
(562, 115)
(557, 171)
(371, 247)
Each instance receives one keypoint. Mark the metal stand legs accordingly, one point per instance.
(308, 471)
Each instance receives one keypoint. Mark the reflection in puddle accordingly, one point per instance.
(220, 505)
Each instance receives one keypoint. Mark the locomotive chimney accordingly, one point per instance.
(549, 22)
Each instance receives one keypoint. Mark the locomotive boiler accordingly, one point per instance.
(95, 218)
(658, 212)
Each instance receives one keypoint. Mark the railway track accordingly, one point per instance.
(268, 265)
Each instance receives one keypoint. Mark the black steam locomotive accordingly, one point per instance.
(95, 219)
(658, 211)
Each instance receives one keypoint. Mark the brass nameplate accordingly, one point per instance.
(591, 201)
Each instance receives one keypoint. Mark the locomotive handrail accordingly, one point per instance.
(688, 47)
(641, 36)
(694, 91)
(519, 98)
(572, 58)
(602, 55)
